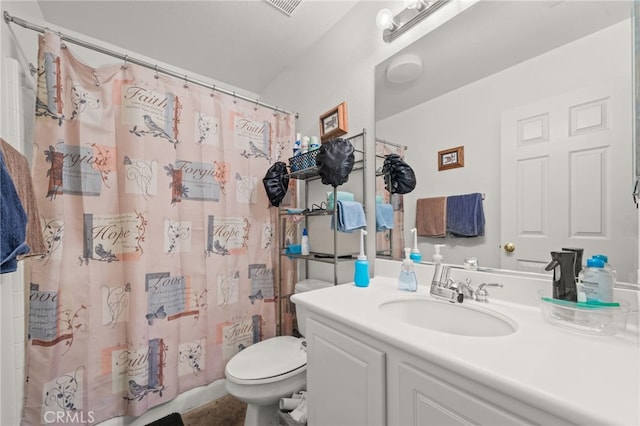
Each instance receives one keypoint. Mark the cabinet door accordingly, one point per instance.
(345, 379)
(425, 400)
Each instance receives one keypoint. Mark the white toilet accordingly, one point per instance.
(267, 371)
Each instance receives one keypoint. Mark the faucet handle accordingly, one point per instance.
(482, 295)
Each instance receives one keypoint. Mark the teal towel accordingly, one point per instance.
(384, 217)
(350, 216)
(465, 216)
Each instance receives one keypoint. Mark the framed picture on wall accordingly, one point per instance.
(451, 158)
(333, 123)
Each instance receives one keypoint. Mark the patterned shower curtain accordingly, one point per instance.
(161, 241)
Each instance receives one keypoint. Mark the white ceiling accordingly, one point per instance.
(243, 43)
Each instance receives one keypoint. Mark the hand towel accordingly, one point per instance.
(20, 172)
(341, 195)
(384, 217)
(465, 216)
(350, 216)
(431, 217)
(13, 223)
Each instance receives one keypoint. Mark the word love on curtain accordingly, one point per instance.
(161, 242)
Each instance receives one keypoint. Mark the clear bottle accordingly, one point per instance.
(304, 243)
(407, 280)
(595, 282)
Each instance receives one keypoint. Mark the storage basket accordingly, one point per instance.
(303, 161)
(571, 316)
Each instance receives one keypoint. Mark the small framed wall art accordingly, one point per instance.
(333, 123)
(451, 158)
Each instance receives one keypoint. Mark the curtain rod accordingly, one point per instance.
(28, 25)
(391, 143)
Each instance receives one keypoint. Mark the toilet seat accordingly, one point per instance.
(268, 361)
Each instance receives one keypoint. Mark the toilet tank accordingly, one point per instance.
(301, 287)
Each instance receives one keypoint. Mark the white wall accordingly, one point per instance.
(470, 116)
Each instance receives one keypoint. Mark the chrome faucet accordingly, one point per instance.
(441, 284)
(464, 288)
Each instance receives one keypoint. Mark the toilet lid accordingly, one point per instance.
(271, 357)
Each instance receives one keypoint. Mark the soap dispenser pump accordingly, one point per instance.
(416, 256)
(361, 276)
(407, 280)
(437, 257)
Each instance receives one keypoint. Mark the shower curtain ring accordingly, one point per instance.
(255, 108)
(62, 45)
(156, 76)
(125, 65)
(235, 101)
(275, 112)
(213, 89)
(185, 85)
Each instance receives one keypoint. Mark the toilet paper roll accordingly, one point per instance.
(289, 404)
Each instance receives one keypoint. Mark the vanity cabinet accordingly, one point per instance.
(355, 379)
(345, 378)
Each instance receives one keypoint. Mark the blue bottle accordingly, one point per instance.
(361, 276)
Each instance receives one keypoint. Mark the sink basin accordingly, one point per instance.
(446, 317)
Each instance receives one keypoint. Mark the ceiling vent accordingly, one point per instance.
(286, 6)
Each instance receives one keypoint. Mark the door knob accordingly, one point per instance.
(509, 247)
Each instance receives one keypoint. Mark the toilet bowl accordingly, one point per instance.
(267, 371)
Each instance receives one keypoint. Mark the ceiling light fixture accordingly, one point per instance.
(404, 68)
(414, 12)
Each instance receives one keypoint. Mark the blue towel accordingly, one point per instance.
(384, 217)
(465, 217)
(13, 223)
(350, 216)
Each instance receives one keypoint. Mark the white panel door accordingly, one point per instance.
(567, 179)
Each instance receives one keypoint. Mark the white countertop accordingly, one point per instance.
(584, 379)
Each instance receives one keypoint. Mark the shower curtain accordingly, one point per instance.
(161, 240)
(390, 242)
